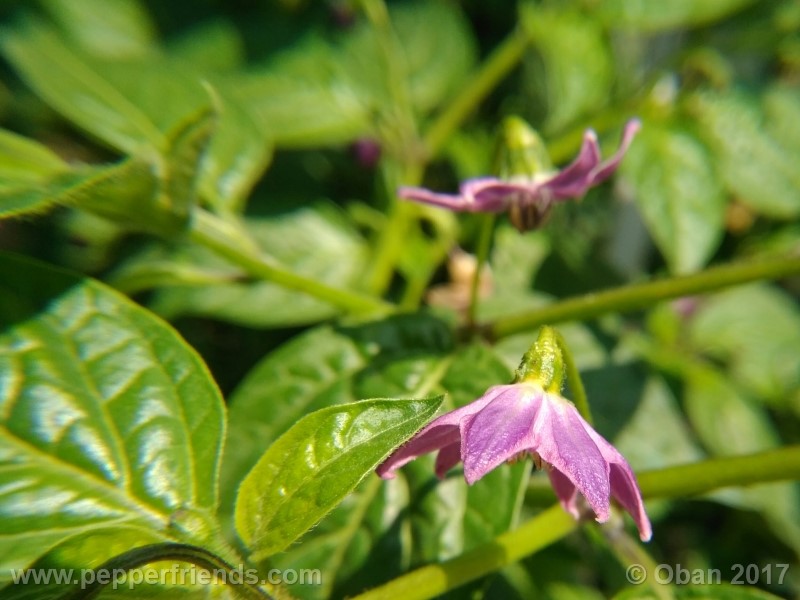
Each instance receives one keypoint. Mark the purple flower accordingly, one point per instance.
(509, 421)
(528, 199)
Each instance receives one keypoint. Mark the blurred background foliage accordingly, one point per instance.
(120, 116)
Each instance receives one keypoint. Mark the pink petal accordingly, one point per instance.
(560, 438)
(624, 487)
(566, 492)
(448, 457)
(500, 431)
(439, 433)
(587, 170)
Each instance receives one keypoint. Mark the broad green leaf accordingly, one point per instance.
(678, 194)
(577, 63)
(753, 166)
(119, 29)
(728, 423)
(315, 241)
(666, 14)
(756, 330)
(23, 160)
(108, 417)
(76, 90)
(108, 190)
(312, 467)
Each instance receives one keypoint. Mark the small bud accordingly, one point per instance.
(543, 363)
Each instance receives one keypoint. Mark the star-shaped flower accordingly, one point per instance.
(530, 417)
(528, 198)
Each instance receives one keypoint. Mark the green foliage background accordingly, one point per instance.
(230, 280)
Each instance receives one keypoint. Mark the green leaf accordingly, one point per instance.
(107, 190)
(213, 45)
(325, 367)
(79, 553)
(729, 423)
(782, 113)
(753, 166)
(23, 160)
(378, 532)
(678, 194)
(314, 241)
(108, 417)
(304, 97)
(77, 91)
(666, 14)
(755, 329)
(135, 106)
(578, 67)
(434, 46)
(316, 463)
(119, 29)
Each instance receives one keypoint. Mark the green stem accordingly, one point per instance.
(231, 243)
(145, 555)
(484, 243)
(553, 523)
(642, 295)
(574, 380)
(499, 64)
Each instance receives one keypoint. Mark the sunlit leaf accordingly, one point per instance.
(108, 417)
(316, 463)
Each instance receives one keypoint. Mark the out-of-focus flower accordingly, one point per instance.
(528, 194)
(530, 417)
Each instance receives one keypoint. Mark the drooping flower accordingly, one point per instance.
(528, 192)
(530, 417)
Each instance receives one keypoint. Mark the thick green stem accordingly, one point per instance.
(232, 244)
(642, 295)
(499, 64)
(574, 380)
(553, 524)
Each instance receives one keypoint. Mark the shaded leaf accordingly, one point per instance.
(108, 417)
(678, 194)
